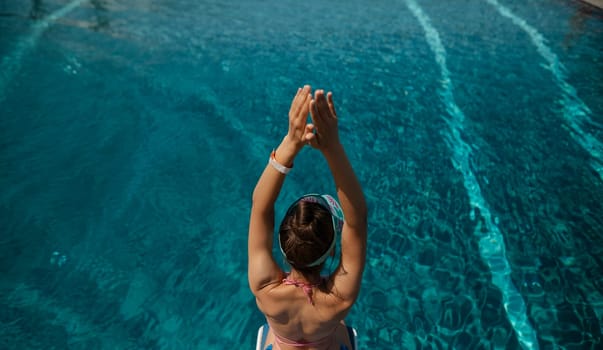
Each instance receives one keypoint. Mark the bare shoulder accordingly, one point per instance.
(272, 299)
(337, 301)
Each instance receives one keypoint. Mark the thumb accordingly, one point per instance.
(310, 136)
(312, 140)
(310, 128)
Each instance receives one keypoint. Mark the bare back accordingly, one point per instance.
(293, 317)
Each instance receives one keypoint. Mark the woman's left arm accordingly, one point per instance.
(262, 269)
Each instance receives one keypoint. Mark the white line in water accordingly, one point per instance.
(491, 243)
(575, 111)
(11, 63)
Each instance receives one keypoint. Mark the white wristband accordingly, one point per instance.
(278, 166)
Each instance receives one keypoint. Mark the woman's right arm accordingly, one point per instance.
(348, 274)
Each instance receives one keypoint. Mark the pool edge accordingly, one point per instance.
(596, 3)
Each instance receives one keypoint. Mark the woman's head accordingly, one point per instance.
(307, 234)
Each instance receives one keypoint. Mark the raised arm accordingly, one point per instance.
(262, 269)
(348, 274)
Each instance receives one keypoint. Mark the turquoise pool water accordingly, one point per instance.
(132, 134)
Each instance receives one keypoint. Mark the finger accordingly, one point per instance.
(299, 119)
(318, 96)
(331, 104)
(304, 96)
(305, 103)
(323, 106)
(321, 103)
(299, 90)
(315, 114)
(294, 107)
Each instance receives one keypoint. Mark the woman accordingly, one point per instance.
(303, 309)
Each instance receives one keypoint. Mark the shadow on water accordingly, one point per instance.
(100, 14)
(38, 11)
(578, 23)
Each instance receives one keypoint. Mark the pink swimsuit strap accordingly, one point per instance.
(298, 344)
(306, 287)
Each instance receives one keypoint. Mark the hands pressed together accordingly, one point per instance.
(322, 132)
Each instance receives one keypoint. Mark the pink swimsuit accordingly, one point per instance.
(298, 344)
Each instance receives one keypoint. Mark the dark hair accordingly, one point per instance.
(305, 234)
